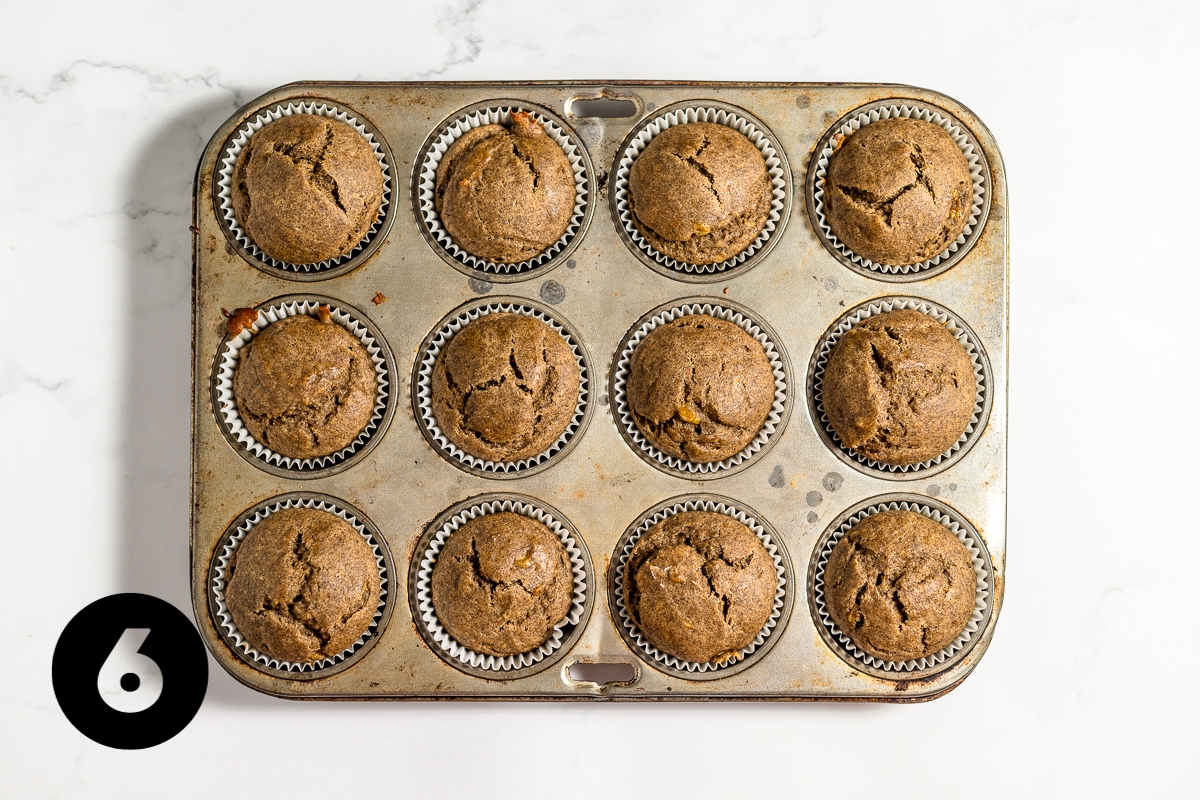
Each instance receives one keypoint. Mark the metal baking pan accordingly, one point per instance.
(802, 485)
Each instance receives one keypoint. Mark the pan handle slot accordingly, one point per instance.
(603, 107)
(602, 672)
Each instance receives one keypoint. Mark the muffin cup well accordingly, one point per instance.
(422, 393)
(227, 546)
(983, 393)
(230, 420)
(457, 655)
(223, 192)
(919, 668)
(499, 112)
(721, 114)
(888, 109)
(765, 639)
(776, 419)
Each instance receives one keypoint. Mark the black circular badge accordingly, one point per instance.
(130, 671)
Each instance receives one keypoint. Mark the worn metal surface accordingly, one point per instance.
(601, 486)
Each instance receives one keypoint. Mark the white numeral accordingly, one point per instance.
(126, 660)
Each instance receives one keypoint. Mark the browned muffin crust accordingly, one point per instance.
(900, 585)
(700, 192)
(898, 191)
(303, 585)
(305, 388)
(899, 388)
(505, 387)
(700, 388)
(505, 194)
(501, 583)
(700, 585)
(307, 188)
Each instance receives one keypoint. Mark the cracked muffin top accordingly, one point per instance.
(700, 388)
(900, 585)
(501, 583)
(505, 387)
(700, 192)
(305, 388)
(303, 585)
(899, 388)
(505, 194)
(898, 191)
(307, 188)
(700, 585)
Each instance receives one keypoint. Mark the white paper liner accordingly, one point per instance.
(425, 391)
(964, 336)
(906, 110)
(982, 589)
(719, 116)
(238, 143)
(227, 407)
(498, 115)
(464, 654)
(621, 378)
(635, 632)
(225, 620)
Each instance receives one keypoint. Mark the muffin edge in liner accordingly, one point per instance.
(228, 544)
(934, 663)
(722, 114)
(981, 185)
(771, 429)
(454, 653)
(223, 187)
(767, 636)
(229, 418)
(961, 332)
(499, 112)
(422, 394)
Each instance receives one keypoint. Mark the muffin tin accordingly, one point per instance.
(402, 286)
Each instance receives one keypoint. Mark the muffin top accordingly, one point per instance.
(899, 388)
(700, 388)
(501, 583)
(900, 585)
(307, 188)
(700, 585)
(305, 388)
(898, 191)
(303, 585)
(505, 387)
(700, 192)
(505, 194)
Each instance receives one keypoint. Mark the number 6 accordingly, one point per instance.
(144, 685)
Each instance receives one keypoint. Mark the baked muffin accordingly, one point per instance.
(898, 191)
(305, 388)
(505, 194)
(306, 188)
(700, 586)
(899, 388)
(699, 388)
(700, 192)
(900, 585)
(302, 586)
(501, 583)
(505, 387)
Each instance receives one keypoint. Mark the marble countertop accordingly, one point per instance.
(103, 114)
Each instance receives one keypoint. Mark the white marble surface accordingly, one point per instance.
(1089, 684)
